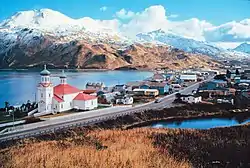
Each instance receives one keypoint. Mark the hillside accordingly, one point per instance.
(33, 51)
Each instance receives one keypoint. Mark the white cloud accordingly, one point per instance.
(97, 25)
(229, 32)
(104, 8)
(124, 14)
(155, 17)
(173, 16)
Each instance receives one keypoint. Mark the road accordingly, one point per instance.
(86, 118)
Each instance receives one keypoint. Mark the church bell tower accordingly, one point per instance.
(45, 92)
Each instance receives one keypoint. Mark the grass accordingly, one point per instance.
(134, 148)
(97, 148)
(106, 144)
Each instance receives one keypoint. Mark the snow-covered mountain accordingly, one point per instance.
(189, 45)
(244, 47)
(33, 32)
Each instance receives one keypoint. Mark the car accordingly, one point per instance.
(157, 100)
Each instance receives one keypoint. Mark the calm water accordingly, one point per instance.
(200, 123)
(18, 87)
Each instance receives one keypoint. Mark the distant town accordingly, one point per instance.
(166, 88)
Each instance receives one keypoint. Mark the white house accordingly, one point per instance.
(62, 97)
(124, 100)
(191, 99)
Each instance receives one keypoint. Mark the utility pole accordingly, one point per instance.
(13, 117)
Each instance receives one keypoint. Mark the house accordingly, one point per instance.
(188, 77)
(246, 73)
(212, 85)
(237, 79)
(191, 99)
(146, 92)
(108, 97)
(62, 97)
(119, 88)
(169, 77)
(162, 87)
(225, 101)
(95, 86)
(124, 99)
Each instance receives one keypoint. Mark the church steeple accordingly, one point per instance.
(45, 75)
(63, 78)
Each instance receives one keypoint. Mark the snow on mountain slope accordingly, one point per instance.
(57, 24)
(28, 29)
(244, 47)
(189, 45)
(43, 19)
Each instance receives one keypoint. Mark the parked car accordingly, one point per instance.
(157, 100)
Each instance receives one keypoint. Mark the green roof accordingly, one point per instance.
(45, 71)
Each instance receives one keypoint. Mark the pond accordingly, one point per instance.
(200, 123)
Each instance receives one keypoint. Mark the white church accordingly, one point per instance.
(62, 97)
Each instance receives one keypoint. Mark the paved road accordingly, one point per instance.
(86, 118)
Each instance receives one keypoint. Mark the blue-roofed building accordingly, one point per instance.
(212, 85)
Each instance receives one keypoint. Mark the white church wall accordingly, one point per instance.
(44, 98)
(68, 102)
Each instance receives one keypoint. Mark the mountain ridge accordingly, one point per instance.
(244, 47)
(38, 33)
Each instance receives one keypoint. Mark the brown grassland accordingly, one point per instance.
(93, 149)
(111, 144)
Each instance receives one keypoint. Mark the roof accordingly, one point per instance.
(63, 89)
(188, 76)
(189, 95)
(219, 81)
(45, 71)
(158, 76)
(83, 96)
(58, 99)
(88, 91)
(95, 84)
(120, 85)
(144, 90)
(63, 75)
(136, 83)
(155, 84)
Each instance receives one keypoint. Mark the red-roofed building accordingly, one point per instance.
(85, 102)
(62, 97)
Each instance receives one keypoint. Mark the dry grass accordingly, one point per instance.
(130, 148)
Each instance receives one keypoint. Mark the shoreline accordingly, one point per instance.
(174, 114)
(72, 70)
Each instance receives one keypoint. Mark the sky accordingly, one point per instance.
(219, 21)
(213, 11)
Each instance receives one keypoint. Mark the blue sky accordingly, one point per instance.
(213, 11)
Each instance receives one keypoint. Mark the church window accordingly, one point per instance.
(49, 94)
(61, 105)
(41, 95)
